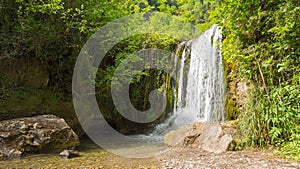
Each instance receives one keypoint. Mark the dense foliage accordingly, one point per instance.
(261, 44)
(54, 31)
(260, 47)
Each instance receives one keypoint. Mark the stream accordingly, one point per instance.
(91, 156)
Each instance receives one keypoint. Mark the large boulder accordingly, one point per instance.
(184, 136)
(215, 137)
(209, 136)
(35, 134)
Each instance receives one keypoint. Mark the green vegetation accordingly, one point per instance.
(262, 45)
(47, 36)
(40, 41)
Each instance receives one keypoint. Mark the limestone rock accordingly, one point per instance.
(215, 138)
(184, 136)
(212, 137)
(35, 134)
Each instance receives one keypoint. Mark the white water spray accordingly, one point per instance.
(199, 95)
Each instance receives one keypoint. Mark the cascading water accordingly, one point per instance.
(199, 95)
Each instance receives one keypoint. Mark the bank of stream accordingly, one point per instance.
(92, 156)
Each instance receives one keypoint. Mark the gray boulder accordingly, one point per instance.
(35, 134)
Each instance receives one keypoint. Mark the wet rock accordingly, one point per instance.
(212, 137)
(171, 138)
(35, 134)
(69, 154)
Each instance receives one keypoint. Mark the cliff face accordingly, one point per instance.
(24, 92)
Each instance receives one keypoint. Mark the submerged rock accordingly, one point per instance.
(69, 154)
(35, 134)
(212, 137)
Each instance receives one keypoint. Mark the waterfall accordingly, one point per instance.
(199, 92)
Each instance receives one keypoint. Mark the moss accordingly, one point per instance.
(24, 93)
(231, 109)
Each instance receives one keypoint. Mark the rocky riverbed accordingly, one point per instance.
(193, 146)
(91, 156)
(188, 158)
